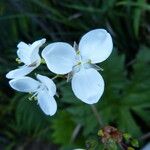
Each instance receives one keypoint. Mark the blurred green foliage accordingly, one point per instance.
(125, 103)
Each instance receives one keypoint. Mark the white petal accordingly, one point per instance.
(20, 72)
(24, 84)
(96, 45)
(29, 54)
(47, 102)
(38, 43)
(59, 57)
(88, 85)
(146, 147)
(48, 83)
(23, 53)
(35, 50)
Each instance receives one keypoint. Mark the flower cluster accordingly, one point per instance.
(61, 58)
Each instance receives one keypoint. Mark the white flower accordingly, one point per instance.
(94, 47)
(146, 147)
(29, 55)
(44, 89)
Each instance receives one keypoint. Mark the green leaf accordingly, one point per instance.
(137, 17)
(63, 128)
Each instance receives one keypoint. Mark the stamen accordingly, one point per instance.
(18, 60)
(78, 52)
(33, 97)
(79, 63)
(43, 61)
(97, 67)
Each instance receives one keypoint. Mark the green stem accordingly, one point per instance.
(97, 115)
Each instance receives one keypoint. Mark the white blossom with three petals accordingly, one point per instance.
(94, 47)
(29, 55)
(44, 88)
